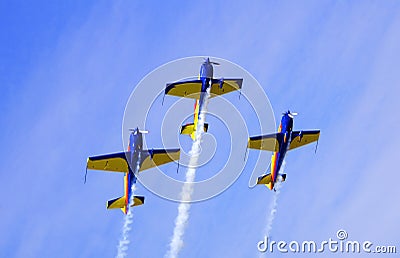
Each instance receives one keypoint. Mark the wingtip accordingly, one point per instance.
(84, 182)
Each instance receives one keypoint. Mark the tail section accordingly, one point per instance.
(138, 200)
(190, 129)
(119, 203)
(266, 180)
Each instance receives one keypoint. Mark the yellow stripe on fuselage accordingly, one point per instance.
(195, 119)
(196, 115)
(273, 166)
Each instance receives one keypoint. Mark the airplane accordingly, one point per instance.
(196, 89)
(131, 162)
(284, 140)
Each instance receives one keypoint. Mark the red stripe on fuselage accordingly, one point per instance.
(280, 128)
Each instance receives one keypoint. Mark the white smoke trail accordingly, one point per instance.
(273, 207)
(181, 220)
(126, 228)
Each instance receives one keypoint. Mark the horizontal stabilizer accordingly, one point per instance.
(205, 127)
(190, 129)
(187, 129)
(117, 203)
(265, 180)
(138, 200)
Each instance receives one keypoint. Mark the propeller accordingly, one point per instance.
(207, 60)
(290, 114)
(136, 130)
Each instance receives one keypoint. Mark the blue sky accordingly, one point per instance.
(67, 71)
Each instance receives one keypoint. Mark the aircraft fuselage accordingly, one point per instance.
(286, 127)
(206, 75)
(135, 146)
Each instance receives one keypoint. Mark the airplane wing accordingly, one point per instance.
(192, 88)
(114, 162)
(158, 157)
(187, 89)
(301, 138)
(269, 142)
(223, 86)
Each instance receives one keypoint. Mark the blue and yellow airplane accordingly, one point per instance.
(282, 141)
(196, 89)
(131, 162)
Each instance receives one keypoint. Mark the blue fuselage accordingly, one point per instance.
(135, 147)
(206, 75)
(285, 127)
